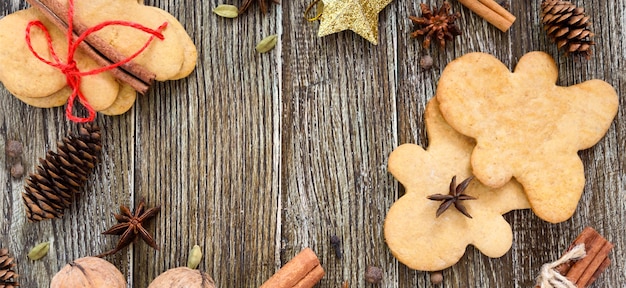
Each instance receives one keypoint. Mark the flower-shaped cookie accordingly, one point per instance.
(527, 127)
(413, 232)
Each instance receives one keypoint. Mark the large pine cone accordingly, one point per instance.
(568, 26)
(8, 277)
(62, 174)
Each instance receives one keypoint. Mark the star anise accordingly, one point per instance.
(437, 24)
(455, 197)
(262, 3)
(130, 227)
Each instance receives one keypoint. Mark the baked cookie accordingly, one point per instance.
(527, 127)
(414, 233)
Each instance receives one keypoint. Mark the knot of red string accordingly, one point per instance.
(69, 68)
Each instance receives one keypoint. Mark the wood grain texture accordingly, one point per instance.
(257, 156)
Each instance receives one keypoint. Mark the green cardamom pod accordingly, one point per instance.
(228, 11)
(39, 251)
(195, 255)
(267, 43)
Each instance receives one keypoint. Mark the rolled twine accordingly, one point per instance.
(550, 278)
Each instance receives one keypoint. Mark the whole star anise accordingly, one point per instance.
(437, 24)
(130, 227)
(455, 197)
(262, 3)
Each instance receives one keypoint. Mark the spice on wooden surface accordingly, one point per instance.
(131, 227)
(17, 170)
(426, 62)
(266, 44)
(437, 25)
(303, 271)
(373, 275)
(195, 257)
(39, 251)
(227, 11)
(335, 242)
(13, 148)
(436, 277)
(584, 271)
(454, 196)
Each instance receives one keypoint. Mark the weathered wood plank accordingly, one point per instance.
(206, 147)
(77, 233)
(254, 157)
(338, 128)
(535, 241)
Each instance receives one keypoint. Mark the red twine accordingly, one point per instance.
(72, 74)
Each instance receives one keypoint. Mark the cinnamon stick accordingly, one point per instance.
(605, 264)
(586, 270)
(130, 73)
(312, 278)
(491, 11)
(303, 271)
(592, 248)
(595, 264)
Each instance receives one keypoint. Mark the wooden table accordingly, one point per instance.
(256, 156)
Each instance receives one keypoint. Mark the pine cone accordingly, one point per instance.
(568, 26)
(8, 277)
(61, 175)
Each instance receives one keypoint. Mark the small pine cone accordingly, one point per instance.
(62, 174)
(568, 26)
(8, 277)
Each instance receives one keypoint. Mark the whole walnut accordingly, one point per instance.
(89, 272)
(183, 277)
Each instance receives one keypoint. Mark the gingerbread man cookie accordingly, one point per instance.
(527, 127)
(414, 233)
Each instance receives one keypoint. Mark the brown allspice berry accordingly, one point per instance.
(17, 170)
(89, 272)
(426, 62)
(373, 275)
(14, 148)
(335, 243)
(436, 277)
(183, 277)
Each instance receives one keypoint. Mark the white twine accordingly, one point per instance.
(550, 278)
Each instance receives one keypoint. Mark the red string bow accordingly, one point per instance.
(72, 74)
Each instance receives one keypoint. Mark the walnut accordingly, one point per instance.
(89, 272)
(183, 277)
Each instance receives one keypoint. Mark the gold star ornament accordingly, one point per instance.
(360, 16)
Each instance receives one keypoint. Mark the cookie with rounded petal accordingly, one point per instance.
(27, 77)
(162, 57)
(56, 99)
(190, 52)
(124, 101)
(414, 233)
(526, 126)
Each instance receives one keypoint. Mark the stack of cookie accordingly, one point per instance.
(515, 136)
(42, 85)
